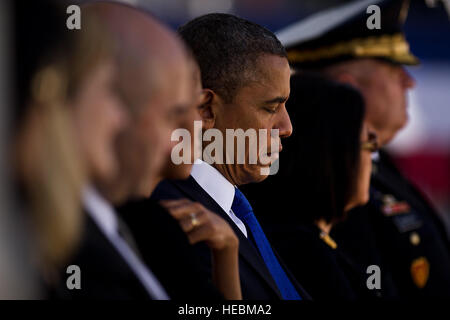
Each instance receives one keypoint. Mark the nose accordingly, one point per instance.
(121, 117)
(408, 80)
(284, 124)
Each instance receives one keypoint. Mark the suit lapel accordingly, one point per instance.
(98, 249)
(246, 250)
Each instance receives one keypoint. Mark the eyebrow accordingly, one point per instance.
(276, 100)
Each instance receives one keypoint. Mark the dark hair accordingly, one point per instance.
(319, 162)
(227, 49)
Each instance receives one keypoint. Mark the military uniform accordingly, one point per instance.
(398, 229)
(406, 237)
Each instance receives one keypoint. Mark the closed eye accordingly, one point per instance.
(269, 110)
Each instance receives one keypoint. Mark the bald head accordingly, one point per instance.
(146, 49)
(154, 80)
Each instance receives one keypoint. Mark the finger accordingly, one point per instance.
(174, 203)
(203, 232)
(186, 210)
(187, 223)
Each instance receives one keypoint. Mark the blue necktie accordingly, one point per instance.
(243, 210)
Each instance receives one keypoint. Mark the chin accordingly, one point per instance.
(106, 171)
(403, 120)
(364, 199)
(260, 178)
(182, 172)
(403, 124)
(177, 172)
(257, 176)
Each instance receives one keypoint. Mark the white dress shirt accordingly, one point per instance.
(218, 188)
(105, 218)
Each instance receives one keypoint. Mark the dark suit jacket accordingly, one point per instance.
(165, 248)
(105, 274)
(417, 269)
(256, 281)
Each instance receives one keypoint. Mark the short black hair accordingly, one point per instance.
(320, 160)
(226, 48)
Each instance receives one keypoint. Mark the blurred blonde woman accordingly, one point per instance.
(66, 129)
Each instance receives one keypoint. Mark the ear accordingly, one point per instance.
(208, 108)
(348, 78)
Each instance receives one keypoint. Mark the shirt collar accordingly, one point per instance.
(100, 210)
(214, 183)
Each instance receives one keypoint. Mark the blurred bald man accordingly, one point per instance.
(154, 80)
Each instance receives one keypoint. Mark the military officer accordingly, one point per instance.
(362, 44)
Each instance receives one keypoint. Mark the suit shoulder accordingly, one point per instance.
(166, 189)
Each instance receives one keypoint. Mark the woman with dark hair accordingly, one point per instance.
(324, 171)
